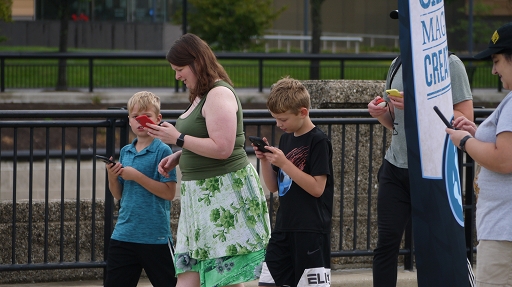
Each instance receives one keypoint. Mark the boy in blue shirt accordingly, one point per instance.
(299, 250)
(142, 235)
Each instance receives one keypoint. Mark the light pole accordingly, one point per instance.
(184, 22)
(306, 42)
(470, 28)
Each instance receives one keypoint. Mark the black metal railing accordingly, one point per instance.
(247, 70)
(64, 225)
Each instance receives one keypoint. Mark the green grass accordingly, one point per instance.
(30, 73)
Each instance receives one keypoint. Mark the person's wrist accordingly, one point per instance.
(180, 141)
(462, 144)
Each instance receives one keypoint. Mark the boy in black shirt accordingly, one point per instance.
(298, 253)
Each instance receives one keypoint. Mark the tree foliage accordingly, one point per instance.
(482, 26)
(5, 14)
(230, 25)
(6, 10)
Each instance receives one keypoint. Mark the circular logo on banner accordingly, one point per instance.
(453, 189)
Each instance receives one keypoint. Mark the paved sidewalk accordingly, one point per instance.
(340, 278)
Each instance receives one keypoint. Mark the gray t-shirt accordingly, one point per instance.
(494, 203)
(397, 151)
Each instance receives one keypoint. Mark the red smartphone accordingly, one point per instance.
(143, 120)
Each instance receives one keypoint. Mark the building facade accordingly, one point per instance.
(367, 18)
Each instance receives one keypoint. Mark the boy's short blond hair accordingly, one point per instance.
(286, 95)
(146, 101)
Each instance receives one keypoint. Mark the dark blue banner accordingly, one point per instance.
(437, 219)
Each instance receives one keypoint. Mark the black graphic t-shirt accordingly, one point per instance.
(298, 210)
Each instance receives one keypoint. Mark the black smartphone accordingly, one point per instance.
(445, 121)
(259, 143)
(105, 159)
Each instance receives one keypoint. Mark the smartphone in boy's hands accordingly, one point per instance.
(259, 143)
(143, 120)
(105, 159)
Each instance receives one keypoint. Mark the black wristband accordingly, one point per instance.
(462, 144)
(181, 140)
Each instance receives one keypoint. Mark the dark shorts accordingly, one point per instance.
(126, 260)
(297, 259)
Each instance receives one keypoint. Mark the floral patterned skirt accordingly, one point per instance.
(224, 271)
(221, 216)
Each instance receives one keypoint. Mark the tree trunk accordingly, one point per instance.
(62, 83)
(316, 32)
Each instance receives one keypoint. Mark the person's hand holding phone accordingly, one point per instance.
(397, 98)
(465, 124)
(143, 120)
(259, 143)
(114, 169)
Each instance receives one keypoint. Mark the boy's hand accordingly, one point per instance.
(259, 154)
(114, 170)
(129, 173)
(276, 157)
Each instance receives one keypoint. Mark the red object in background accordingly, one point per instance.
(81, 17)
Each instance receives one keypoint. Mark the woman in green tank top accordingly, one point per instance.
(224, 225)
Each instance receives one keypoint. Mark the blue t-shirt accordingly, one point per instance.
(144, 217)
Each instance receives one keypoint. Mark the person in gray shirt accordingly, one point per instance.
(393, 199)
(490, 145)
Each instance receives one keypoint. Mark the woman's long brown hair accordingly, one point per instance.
(190, 50)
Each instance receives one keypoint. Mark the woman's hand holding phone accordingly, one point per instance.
(143, 120)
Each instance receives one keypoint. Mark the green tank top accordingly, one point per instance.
(196, 167)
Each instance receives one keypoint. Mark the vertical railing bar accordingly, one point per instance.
(109, 202)
(93, 203)
(62, 190)
(356, 201)
(30, 195)
(77, 204)
(46, 195)
(342, 183)
(14, 191)
(369, 190)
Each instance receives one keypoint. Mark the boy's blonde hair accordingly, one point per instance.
(146, 101)
(288, 94)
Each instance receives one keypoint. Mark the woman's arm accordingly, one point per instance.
(219, 110)
(496, 157)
